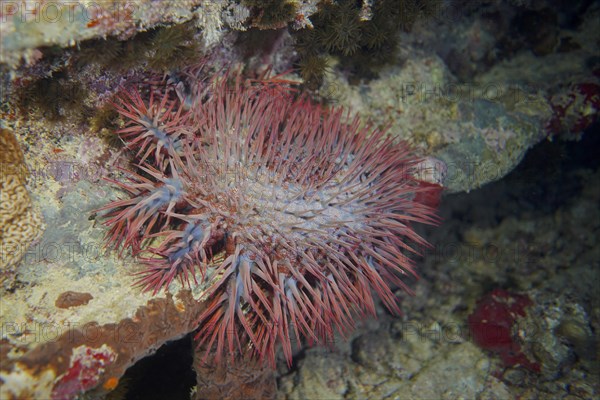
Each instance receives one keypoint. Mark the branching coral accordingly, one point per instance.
(343, 30)
(364, 41)
(172, 47)
(291, 213)
(271, 14)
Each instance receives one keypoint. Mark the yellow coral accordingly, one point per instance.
(20, 223)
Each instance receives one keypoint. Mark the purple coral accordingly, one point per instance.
(291, 213)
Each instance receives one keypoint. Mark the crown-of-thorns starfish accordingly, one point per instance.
(290, 213)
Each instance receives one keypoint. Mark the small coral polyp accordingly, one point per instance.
(290, 214)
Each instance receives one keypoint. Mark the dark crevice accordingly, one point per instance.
(549, 177)
(167, 374)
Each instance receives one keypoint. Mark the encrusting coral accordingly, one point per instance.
(20, 223)
(291, 213)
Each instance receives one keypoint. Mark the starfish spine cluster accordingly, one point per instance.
(291, 214)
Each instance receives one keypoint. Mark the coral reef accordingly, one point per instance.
(21, 223)
(70, 357)
(474, 85)
(28, 25)
(479, 122)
